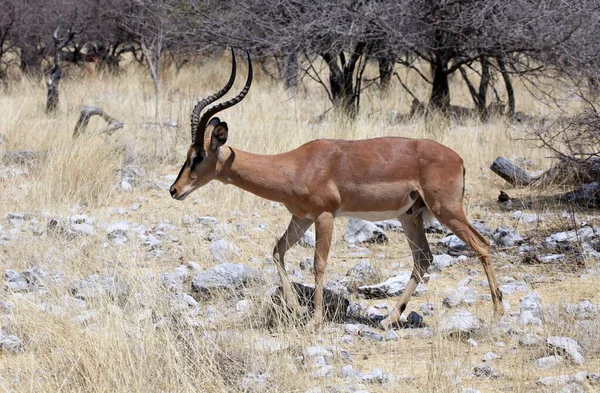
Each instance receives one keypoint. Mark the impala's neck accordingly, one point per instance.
(268, 176)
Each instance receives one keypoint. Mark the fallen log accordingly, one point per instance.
(585, 195)
(84, 118)
(510, 172)
(564, 173)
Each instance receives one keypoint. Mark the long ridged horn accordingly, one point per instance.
(210, 112)
(209, 100)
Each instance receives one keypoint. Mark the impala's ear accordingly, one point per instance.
(211, 125)
(218, 136)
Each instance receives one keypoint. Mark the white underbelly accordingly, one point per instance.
(374, 216)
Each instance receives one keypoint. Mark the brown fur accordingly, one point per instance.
(325, 178)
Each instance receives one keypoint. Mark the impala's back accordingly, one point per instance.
(375, 179)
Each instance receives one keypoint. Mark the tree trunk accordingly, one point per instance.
(153, 57)
(483, 85)
(30, 61)
(291, 71)
(341, 80)
(510, 92)
(440, 93)
(386, 68)
(53, 82)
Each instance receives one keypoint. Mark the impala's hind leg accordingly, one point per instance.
(296, 229)
(453, 217)
(422, 256)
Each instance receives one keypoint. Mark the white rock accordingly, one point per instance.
(350, 372)
(254, 382)
(361, 231)
(308, 239)
(363, 273)
(244, 306)
(552, 258)
(572, 388)
(224, 277)
(462, 295)
(461, 321)
(441, 262)
(525, 217)
(527, 318)
(389, 225)
(390, 335)
(375, 376)
(568, 346)
(548, 362)
(489, 356)
(532, 303)
(85, 229)
(505, 237)
(391, 287)
(314, 351)
(223, 250)
(582, 234)
(453, 243)
(581, 377)
(10, 343)
(207, 220)
(583, 309)
(323, 372)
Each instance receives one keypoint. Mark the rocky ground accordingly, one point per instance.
(204, 274)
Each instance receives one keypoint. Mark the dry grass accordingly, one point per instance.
(134, 342)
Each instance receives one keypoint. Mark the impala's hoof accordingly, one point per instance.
(385, 325)
(498, 313)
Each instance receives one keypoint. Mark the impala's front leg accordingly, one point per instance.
(324, 233)
(294, 232)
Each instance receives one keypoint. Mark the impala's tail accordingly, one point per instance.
(464, 181)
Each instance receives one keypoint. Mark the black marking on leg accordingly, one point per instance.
(402, 308)
(413, 195)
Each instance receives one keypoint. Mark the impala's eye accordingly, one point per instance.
(197, 160)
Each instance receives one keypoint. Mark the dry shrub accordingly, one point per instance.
(81, 171)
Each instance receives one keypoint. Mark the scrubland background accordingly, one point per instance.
(136, 342)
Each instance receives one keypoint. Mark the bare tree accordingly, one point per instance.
(154, 31)
(55, 74)
(7, 23)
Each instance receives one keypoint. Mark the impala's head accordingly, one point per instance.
(208, 135)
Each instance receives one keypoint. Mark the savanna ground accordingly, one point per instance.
(135, 342)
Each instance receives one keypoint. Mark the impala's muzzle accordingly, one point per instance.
(178, 194)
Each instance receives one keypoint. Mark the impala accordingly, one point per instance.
(372, 179)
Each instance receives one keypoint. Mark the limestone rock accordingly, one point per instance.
(361, 231)
(567, 346)
(461, 322)
(224, 277)
(393, 286)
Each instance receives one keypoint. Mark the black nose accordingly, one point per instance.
(173, 191)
